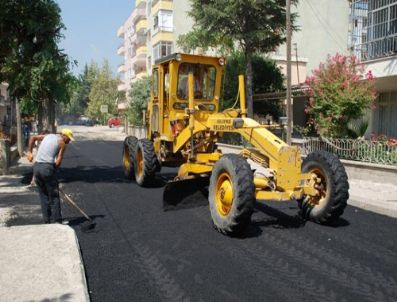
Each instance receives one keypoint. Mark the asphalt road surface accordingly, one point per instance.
(138, 252)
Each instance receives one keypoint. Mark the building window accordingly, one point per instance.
(382, 29)
(162, 49)
(384, 115)
(163, 21)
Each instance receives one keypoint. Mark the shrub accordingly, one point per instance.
(340, 91)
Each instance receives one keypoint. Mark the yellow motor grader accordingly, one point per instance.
(184, 123)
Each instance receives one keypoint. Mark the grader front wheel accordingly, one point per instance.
(231, 194)
(329, 178)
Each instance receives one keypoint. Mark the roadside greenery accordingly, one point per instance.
(37, 71)
(340, 92)
(267, 77)
(103, 91)
(253, 26)
(139, 94)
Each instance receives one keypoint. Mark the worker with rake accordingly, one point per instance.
(48, 160)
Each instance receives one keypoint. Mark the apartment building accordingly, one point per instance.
(133, 49)
(374, 40)
(150, 33)
(322, 30)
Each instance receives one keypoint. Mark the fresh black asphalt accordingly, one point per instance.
(138, 252)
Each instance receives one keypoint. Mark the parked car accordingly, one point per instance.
(115, 122)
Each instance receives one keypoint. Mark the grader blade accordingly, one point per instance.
(186, 193)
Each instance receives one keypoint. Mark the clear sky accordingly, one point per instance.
(91, 32)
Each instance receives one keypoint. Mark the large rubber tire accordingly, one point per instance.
(331, 203)
(231, 194)
(146, 163)
(128, 158)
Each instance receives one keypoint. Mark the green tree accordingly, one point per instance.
(255, 26)
(37, 71)
(340, 92)
(103, 92)
(267, 77)
(79, 94)
(140, 94)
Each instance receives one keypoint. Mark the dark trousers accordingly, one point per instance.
(47, 184)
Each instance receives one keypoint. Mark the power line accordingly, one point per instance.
(326, 26)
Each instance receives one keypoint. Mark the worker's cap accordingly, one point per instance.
(68, 133)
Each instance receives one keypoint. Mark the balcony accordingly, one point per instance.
(139, 61)
(140, 4)
(121, 87)
(120, 32)
(138, 15)
(162, 36)
(377, 49)
(141, 51)
(121, 68)
(157, 5)
(139, 75)
(141, 26)
(140, 41)
(121, 50)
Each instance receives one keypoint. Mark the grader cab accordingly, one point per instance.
(184, 123)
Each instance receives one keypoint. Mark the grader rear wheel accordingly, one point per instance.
(231, 194)
(129, 147)
(330, 179)
(146, 163)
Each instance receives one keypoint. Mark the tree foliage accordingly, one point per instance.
(140, 94)
(79, 93)
(103, 91)
(340, 92)
(267, 77)
(255, 26)
(37, 71)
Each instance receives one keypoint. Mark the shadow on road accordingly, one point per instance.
(281, 220)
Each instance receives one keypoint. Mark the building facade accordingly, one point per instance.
(373, 25)
(133, 49)
(151, 32)
(321, 32)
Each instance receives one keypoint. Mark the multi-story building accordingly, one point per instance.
(168, 19)
(133, 49)
(374, 41)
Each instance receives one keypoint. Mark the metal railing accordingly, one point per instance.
(378, 152)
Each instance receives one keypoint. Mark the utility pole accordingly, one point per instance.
(296, 60)
(20, 142)
(289, 104)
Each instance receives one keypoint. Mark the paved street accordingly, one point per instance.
(138, 252)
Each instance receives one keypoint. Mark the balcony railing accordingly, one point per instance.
(120, 32)
(376, 49)
(121, 50)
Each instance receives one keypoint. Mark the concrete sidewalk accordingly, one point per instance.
(38, 262)
(373, 196)
(41, 263)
